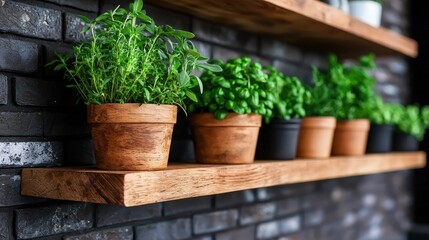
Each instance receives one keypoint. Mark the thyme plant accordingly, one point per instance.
(129, 59)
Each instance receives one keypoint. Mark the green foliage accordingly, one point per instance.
(411, 120)
(379, 112)
(289, 93)
(343, 92)
(242, 87)
(131, 59)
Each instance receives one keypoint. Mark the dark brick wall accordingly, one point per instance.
(40, 125)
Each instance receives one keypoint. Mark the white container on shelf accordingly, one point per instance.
(340, 4)
(367, 11)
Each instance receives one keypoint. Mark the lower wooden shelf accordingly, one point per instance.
(192, 180)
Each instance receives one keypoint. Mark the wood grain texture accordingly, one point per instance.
(192, 180)
(228, 141)
(306, 23)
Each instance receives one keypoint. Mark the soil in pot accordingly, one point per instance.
(131, 136)
(403, 142)
(278, 140)
(316, 136)
(228, 141)
(350, 137)
(380, 138)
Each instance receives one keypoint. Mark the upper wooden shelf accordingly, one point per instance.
(306, 23)
(193, 180)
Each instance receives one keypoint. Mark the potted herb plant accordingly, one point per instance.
(228, 115)
(354, 87)
(317, 128)
(410, 123)
(380, 134)
(132, 74)
(368, 11)
(278, 138)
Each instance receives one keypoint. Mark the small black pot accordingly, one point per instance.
(278, 140)
(403, 142)
(379, 138)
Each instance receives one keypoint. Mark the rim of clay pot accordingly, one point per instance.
(319, 122)
(355, 124)
(231, 120)
(132, 113)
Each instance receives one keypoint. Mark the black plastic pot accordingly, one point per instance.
(278, 140)
(379, 138)
(404, 142)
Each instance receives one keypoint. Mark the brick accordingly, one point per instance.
(291, 224)
(6, 225)
(28, 154)
(247, 233)
(16, 55)
(161, 16)
(257, 213)
(203, 48)
(215, 221)
(53, 219)
(234, 198)
(289, 69)
(87, 5)
(50, 52)
(277, 49)
(78, 152)
(169, 230)
(287, 206)
(268, 230)
(62, 124)
(263, 194)
(224, 54)
(3, 89)
(21, 124)
(295, 236)
(187, 206)
(314, 217)
(36, 92)
(202, 238)
(224, 36)
(111, 214)
(30, 20)
(10, 187)
(122, 233)
(74, 25)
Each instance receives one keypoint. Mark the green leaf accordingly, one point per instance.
(85, 19)
(138, 5)
(210, 67)
(191, 96)
(184, 34)
(183, 78)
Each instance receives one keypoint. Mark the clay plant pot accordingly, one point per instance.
(228, 141)
(131, 136)
(403, 142)
(278, 140)
(380, 138)
(350, 137)
(316, 136)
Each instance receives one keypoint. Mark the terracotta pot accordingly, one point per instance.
(278, 140)
(315, 138)
(131, 136)
(228, 141)
(350, 137)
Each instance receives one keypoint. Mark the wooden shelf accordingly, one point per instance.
(306, 23)
(193, 180)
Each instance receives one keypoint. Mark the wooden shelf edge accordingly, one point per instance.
(193, 180)
(310, 24)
